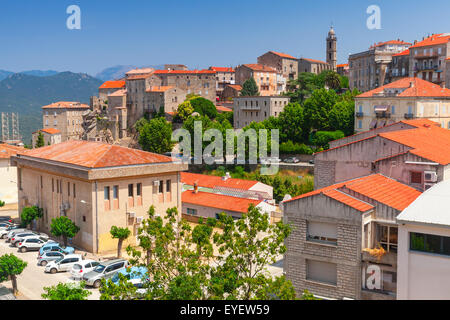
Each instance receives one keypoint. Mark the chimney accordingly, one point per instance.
(195, 187)
(411, 84)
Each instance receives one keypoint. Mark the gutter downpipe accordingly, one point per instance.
(96, 218)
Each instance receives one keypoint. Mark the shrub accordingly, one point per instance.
(290, 147)
(322, 138)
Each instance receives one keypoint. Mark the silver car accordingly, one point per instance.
(105, 270)
(49, 256)
(63, 264)
(19, 237)
(32, 243)
(12, 232)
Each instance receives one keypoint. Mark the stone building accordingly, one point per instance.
(168, 97)
(224, 77)
(342, 69)
(285, 64)
(51, 136)
(109, 87)
(332, 49)
(67, 117)
(175, 67)
(266, 78)
(230, 92)
(399, 67)
(256, 109)
(368, 69)
(407, 98)
(312, 66)
(337, 233)
(97, 186)
(428, 59)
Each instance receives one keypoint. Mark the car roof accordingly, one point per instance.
(72, 255)
(109, 262)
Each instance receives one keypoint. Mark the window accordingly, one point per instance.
(42, 185)
(161, 186)
(393, 109)
(387, 237)
(192, 212)
(322, 232)
(130, 190)
(139, 189)
(74, 191)
(429, 243)
(68, 189)
(168, 185)
(359, 124)
(115, 192)
(57, 186)
(53, 185)
(106, 193)
(416, 177)
(319, 271)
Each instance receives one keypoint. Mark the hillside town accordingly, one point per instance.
(357, 201)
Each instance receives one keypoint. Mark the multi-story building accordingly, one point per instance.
(139, 72)
(423, 246)
(175, 67)
(50, 135)
(342, 69)
(231, 91)
(224, 77)
(312, 66)
(256, 109)
(428, 58)
(97, 186)
(65, 116)
(345, 236)
(407, 98)
(265, 77)
(8, 172)
(399, 67)
(367, 70)
(285, 64)
(109, 87)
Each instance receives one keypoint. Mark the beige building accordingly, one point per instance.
(368, 69)
(224, 77)
(231, 91)
(312, 66)
(257, 109)
(408, 98)
(266, 78)
(8, 172)
(285, 64)
(109, 87)
(51, 136)
(97, 186)
(65, 116)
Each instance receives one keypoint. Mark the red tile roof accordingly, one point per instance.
(403, 53)
(283, 55)
(207, 181)
(314, 61)
(221, 69)
(218, 201)
(113, 85)
(184, 72)
(420, 88)
(66, 105)
(235, 87)
(376, 187)
(95, 154)
(119, 93)
(50, 130)
(139, 76)
(342, 65)
(379, 44)
(223, 109)
(159, 88)
(260, 67)
(433, 40)
(7, 150)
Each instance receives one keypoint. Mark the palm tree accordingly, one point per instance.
(333, 80)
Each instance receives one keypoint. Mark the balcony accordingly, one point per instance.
(409, 115)
(426, 68)
(383, 114)
(389, 258)
(250, 108)
(426, 55)
(359, 114)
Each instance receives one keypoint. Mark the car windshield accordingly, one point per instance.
(59, 259)
(99, 268)
(77, 267)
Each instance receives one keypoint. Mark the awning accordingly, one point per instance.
(373, 124)
(381, 108)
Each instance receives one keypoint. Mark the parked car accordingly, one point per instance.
(5, 224)
(4, 232)
(14, 232)
(136, 275)
(32, 243)
(292, 160)
(105, 270)
(55, 247)
(49, 256)
(311, 161)
(63, 264)
(19, 237)
(81, 268)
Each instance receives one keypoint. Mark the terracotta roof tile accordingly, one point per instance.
(348, 200)
(221, 69)
(94, 154)
(389, 42)
(7, 150)
(403, 53)
(50, 130)
(159, 88)
(433, 40)
(113, 84)
(342, 65)
(314, 61)
(66, 105)
(260, 67)
(223, 109)
(283, 55)
(184, 72)
(235, 87)
(208, 181)
(218, 201)
(421, 88)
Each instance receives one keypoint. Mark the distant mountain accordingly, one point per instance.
(118, 72)
(4, 74)
(40, 73)
(26, 94)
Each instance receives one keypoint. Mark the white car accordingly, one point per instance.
(82, 267)
(20, 237)
(4, 232)
(14, 232)
(63, 264)
(32, 243)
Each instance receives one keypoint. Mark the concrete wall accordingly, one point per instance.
(256, 109)
(8, 182)
(288, 67)
(68, 121)
(207, 212)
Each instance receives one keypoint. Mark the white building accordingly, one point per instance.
(8, 173)
(424, 246)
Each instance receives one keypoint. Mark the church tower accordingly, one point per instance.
(332, 49)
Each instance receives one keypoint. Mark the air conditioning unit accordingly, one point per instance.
(428, 186)
(132, 214)
(139, 219)
(430, 176)
(156, 183)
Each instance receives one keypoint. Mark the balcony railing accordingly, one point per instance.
(382, 114)
(426, 68)
(360, 114)
(409, 115)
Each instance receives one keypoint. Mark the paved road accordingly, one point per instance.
(33, 279)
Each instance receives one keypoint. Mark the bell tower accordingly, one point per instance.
(332, 49)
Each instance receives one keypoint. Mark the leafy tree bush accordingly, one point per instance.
(292, 123)
(121, 234)
(63, 227)
(2, 203)
(204, 107)
(155, 136)
(10, 268)
(29, 214)
(40, 140)
(322, 138)
(184, 110)
(294, 148)
(249, 88)
(221, 117)
(66, 291)
(317, 108)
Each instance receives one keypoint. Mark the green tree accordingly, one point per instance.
(121, 234)
(63, 227)
(317, 109)
(40, 140)
(342, 117)
(332, 80)
(2, 203)
(185, 110)
(10, 268)
(304, 86)
(292, 122)
(204, 107)
(29, 214)
(249, 88)
(66, 291)
(155, 136)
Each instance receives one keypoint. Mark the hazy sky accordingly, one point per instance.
(198, 33)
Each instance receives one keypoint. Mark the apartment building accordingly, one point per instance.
(407, 98)
(256, 109)
(50, 135)
(224, 77)
(285, 64)
(65, 116)
(8, 172)
(368, 69)
(342, 69)
(428, 59)
(415, 154)
(266, 78)
(97, 186)
(423, 246)
(399, 67)
(344, 241)
(108, 87)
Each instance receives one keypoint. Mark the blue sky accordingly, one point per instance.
(198, 33)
